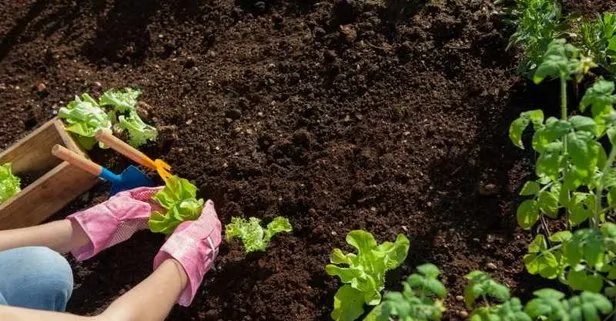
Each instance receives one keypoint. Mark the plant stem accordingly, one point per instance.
(599, 189)
(563, 98)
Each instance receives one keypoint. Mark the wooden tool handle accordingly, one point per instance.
(76, 160)
(107, 138)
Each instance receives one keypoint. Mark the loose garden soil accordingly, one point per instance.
(338, 115)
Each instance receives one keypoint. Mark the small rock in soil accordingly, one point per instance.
(462, 314)
(459, 298)
(491, 266)
(302, 137)
(488, 189)
(349, 32)
(41, 88)
(233, 113)
(260, 6)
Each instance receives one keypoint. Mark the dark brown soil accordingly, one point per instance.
(338, 115)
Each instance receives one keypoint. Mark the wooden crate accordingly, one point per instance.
(57, 182)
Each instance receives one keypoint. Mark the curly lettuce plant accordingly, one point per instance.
(115, 109)
(363, 273)
(9, 183)
(253, 236)
(179, 200)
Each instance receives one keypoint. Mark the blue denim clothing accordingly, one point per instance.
(35, 277)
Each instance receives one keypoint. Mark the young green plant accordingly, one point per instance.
(490, 301)
(179, 200)
(253, 236)
(363, 274)
(9, 183)
(115, 109)
(598, 38)
(420, 300)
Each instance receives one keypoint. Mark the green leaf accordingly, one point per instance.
(611, 197)
(561, 236)
(590, 305)
(178, 198)
(123, 101)
(587, 245)
(528, 214)
(256, 238)
(544, 264)
(518, 126)
(583, 123)
(348, 304)
(139, 133)
(581, 280)
(9, 183)
(581, 208)
(530, 188)
(549, 163)
(547, 304)
(548, 203)
(600, 94)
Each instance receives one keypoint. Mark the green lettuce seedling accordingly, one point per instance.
(85, 117)
(421, 299)
(253, 236)
(115, 109)
(124, 104)
(363, 274)
(9, 183)
(179, 200)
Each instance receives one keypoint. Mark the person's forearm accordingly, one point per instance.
(153, 298)
(61, 236)
(20, 314)
(150, 300)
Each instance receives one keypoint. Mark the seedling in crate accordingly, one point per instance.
(253, 236)
(9, 183)
(363, 274)
(115, 109)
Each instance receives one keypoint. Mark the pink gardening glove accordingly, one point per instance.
(194, 244)
(115, 220)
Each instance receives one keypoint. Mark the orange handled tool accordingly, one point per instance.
(107, 138)
(130, 178)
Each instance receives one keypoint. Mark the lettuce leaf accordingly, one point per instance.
(138, 132)
(122, 100)
(179, 200)
(84, 117)
(9, 183)
(363, 273)
(253, 236)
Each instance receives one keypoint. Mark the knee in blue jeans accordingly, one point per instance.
(35, 277)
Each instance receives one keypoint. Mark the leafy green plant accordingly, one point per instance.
(363, 274)
(598, 37)
(491, 301)
(9, 183)
(178, 198)
(85, 116)
(537, 23)
(253, 236)
(420, 300)
(574, 177)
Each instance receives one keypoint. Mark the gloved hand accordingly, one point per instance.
(115, 220)
(194, 244)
